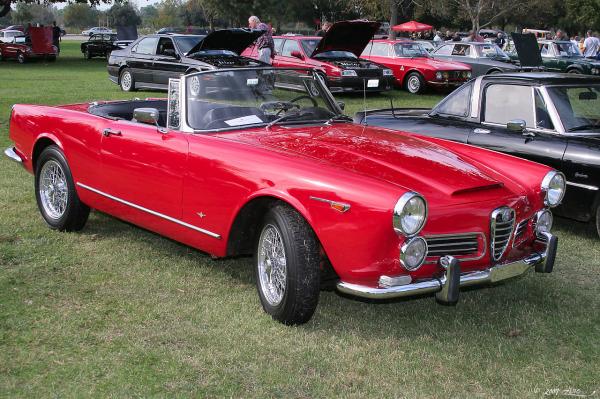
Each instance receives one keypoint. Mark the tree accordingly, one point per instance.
(80, 15)
(149, 16)
(124, 15)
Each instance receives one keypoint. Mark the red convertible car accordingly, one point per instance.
(38, 44)
(413, 67)
(335, 56)
(231, 166)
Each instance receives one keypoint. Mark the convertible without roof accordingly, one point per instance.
(232, 165)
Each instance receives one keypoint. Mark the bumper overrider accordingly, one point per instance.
(447, 287)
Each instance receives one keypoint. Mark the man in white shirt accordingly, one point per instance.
(437, 40)
(591, 45)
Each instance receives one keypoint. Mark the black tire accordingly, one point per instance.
(1, 59)
(21, 58)
(414, 83)
(598, 220)
(300, 295)
(88, 54)
(75, 213)
(107, 55)
(126, 80)
(575, 71)
(494, 72)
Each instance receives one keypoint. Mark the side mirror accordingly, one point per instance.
(146, 115)
(297, 54)
(341, 104)
(516, 125)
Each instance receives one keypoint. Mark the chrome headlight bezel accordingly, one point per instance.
(399, 214)
(538, 216)
(387, 72)
(404, 253)
(551, 199)
(438, 75)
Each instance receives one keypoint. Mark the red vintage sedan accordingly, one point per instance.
(231, 166)
(413, 67)
(335, 56)
(38, 44)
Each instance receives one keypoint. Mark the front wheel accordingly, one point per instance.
(21, 58)
(415, 83)
(287, 266)
(88, 54)
(55, 192)
(127, 82)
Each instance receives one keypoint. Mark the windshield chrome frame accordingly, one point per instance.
(185, 127)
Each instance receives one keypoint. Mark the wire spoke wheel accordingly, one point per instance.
(53, 189)
(272, 265)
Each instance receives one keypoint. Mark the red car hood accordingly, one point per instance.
(430, 63)
(400, 159)
(352, 36)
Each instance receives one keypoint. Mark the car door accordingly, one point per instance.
(94, 44)
(286, 60)
(502, 103)
(144, 166)
(166, 62)
(141, 59)
(549, 59)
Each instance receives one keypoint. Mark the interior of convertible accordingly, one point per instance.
(123, 110)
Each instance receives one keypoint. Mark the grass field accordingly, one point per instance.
(116, 311)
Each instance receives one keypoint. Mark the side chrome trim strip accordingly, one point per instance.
(10, 152)
(141, 208)
(586, 186)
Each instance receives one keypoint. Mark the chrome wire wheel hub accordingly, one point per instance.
(126, 80)
(53, 189)
(414, 84)
(272, 265)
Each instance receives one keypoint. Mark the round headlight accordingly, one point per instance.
(410, 214)
(543, 221)
(438, 75)
(413, 253)
(554, 186)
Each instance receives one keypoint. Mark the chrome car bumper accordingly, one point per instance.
(12, 154)
(447, 287)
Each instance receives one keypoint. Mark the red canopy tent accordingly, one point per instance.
(412, 26)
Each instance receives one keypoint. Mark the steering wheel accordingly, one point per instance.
(314, 102)
(281, 106)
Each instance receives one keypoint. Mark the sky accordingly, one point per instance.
(138, 3)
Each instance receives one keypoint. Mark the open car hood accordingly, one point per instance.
(352, 36)
(527, 49)
(235, 40)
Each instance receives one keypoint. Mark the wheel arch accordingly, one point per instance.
(246, 223)
(44, 140)
(572, 67)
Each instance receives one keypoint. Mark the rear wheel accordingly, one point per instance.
(21, 58)
(287, 269)
(126, 81)
(55, 192)
(414, 83)
(88, 54)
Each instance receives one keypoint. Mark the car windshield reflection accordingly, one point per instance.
(578, 107)
(231, 99)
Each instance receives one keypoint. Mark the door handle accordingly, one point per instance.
(109, 132)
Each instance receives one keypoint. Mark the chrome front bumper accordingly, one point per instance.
(447, 287)
(11, 153)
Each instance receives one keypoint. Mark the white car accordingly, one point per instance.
(6, 36)
(97, 29)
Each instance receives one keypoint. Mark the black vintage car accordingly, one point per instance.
(550, 118)
(151, 60)
(102, 44)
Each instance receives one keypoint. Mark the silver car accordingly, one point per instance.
(483, 58)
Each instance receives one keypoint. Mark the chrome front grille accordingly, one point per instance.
(501, 230)
(467, 246)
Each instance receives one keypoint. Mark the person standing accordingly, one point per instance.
(56, 36)
(324, 28)
(591, 45)
(500, 41)
(264, 44)
(437, 39)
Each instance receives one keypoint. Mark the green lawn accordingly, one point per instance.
(116, 311)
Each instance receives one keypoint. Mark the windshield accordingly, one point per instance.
(492, 51)
(186, 43)
(309, 45)
(578, 106)
(410, 50)
(256, 97)
(567, 49)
